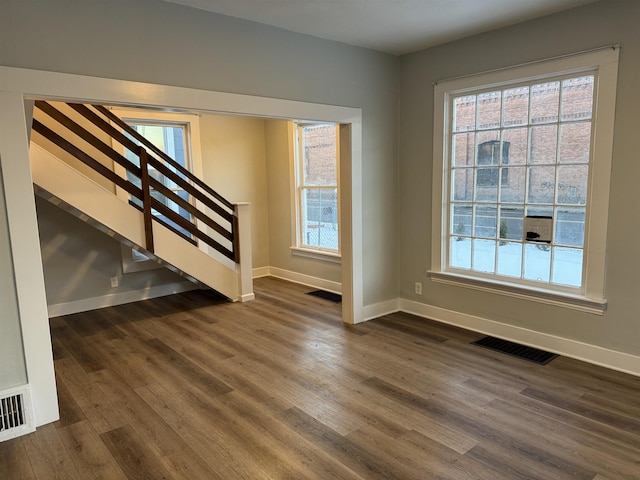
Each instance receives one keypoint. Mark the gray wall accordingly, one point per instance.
(603, 23)
(78, 261)
(155, 41)
(12, 368)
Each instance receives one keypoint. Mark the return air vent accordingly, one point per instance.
(516, 350)
(15, 413)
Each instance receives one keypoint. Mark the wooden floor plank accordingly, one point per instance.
(190, 386)
(14, 462)
(89, 454)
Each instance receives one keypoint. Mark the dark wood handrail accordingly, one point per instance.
(148, 202)
(190, 227)
(158, 165)
(146, 199)
(115, 119)
(87, 159)
(87, 136)
(156, 185)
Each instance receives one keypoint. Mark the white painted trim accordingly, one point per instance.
(25, 84)
(247, 297)
(532, 294)
(29, 425)
(593, 354)
(87, 304)
(245, 268)
(259, 272)
(308, 280)
(605, 64)
(380, 309)
(26, 256)
(321, 255)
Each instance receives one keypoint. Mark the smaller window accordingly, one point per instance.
(317, 188)
(489, 155)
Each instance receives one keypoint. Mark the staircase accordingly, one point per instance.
(198, 238)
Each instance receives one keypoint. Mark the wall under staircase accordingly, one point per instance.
(64, 186)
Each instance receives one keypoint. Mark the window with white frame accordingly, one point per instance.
(316, 180)
(177, 135)
(521, 180)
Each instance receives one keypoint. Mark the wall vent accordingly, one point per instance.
(16, 415)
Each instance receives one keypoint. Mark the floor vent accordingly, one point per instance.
(516, 350)
(15, 413)
(333, 297)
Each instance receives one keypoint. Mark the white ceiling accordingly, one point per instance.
(392, 26)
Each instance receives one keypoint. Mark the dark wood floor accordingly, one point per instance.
(188, 387)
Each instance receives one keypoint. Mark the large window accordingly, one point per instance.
(316, 189)
(524, 179)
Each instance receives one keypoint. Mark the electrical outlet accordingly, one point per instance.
(418, 288)
(114, 282)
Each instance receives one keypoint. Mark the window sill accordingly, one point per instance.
(559, 299)
(316, 254)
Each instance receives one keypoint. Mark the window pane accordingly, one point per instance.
(488, 152)
(517, 141)
(489, 110)
(464, 113)
(320, 217)
(511, 223)
(487, 184)
(171, 139)
(484, 255)
(512, 190)
(462, 188)
(540, 211)
(461, 220)
(485, 221)
(569, 228)
(460, 252)
(464, 145)
(544, 141)
(577, 98)
(516, 106)
(544, 102)
(541, 184)
(572, 184)
(510, 259)
(537, 262)
(520, 151)
(567, 266)
(319, 145)
(575, 141)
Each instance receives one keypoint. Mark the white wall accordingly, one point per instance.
(599, 24)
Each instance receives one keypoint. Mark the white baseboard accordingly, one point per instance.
(247, 297)
(261, 272)
(94, 303)
(593, 354)
(320, 283)
(379, 309)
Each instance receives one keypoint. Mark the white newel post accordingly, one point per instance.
(245, 268)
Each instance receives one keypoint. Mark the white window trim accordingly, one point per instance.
(297, 248)
(192, 124)
(591, 298)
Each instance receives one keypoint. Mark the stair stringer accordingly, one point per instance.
(103, 207)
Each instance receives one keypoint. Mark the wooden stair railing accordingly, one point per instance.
(226, 227)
